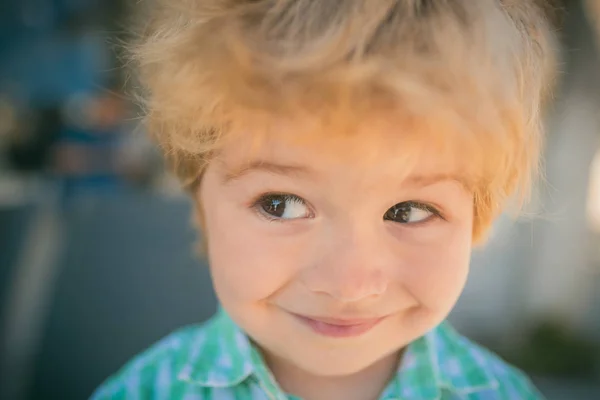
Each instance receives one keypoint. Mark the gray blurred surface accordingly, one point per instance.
(557, 389)
(14, 221)
(127, 278)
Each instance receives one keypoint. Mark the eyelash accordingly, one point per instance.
(436, 213)
(255, 206)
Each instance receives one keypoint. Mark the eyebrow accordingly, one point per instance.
(428, 180)
(289, 170)
(265, 166)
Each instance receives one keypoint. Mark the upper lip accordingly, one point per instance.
(342, 321)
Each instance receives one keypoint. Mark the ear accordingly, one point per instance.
(198, 222)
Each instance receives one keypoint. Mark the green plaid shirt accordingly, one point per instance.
(216, 361)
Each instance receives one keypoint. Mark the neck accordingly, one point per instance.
(367, 384)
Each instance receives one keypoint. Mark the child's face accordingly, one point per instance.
(330, 254)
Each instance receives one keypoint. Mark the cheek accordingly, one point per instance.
(436, 275)
(247, 264)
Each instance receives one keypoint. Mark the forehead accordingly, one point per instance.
(385, 149)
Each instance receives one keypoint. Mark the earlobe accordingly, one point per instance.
(197, 210)
(200, 247)
(198, 213)
(199, 224)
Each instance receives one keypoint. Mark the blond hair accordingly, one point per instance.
(210, 67)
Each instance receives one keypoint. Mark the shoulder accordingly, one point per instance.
(154, 372)
(483, 374)
(512, 383)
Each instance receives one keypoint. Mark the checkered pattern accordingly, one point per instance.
(216, 361)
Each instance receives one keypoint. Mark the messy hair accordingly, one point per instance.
(476, 72)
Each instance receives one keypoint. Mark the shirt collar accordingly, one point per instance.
(441, 359)
(219, 356)
(460, 364)
(222, 356)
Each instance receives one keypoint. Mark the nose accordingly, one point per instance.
(350, 268)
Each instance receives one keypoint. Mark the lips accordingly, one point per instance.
(339, 328)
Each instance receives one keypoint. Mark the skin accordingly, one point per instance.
(343, 244)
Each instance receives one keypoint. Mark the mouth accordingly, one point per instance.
(339, 328)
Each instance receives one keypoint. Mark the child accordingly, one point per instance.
(344, 156)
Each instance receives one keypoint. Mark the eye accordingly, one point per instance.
(410, 212)
(282, 206)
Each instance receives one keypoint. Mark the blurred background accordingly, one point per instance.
(96, 258)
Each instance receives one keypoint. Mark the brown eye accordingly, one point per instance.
(283, 206)
(409, 213)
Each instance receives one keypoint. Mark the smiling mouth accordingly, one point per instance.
(339, 328)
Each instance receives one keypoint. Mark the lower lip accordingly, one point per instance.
(339, 331)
